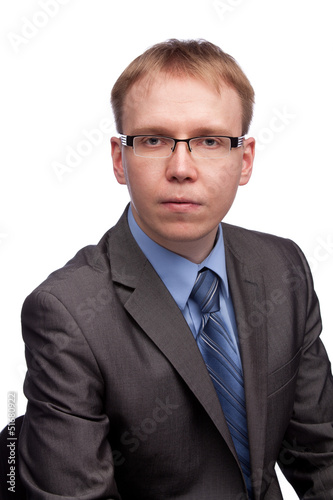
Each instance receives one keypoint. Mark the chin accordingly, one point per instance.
(188, 235)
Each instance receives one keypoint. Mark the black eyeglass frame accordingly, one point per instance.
(128, 140)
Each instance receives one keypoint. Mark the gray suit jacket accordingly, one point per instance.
(120, 404)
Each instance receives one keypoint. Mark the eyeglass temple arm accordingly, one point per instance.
(126, 140)
(237, 142)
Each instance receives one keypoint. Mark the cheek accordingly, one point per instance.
(225, 181)
(141, 184)
(231, 174)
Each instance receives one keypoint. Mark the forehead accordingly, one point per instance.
(176, 104)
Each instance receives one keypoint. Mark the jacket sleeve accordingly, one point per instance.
(306, 458)
(64, 450)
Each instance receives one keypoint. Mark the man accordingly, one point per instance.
(180, 357)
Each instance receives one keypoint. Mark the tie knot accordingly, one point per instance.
(205, 291)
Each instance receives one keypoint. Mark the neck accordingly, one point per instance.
(194, 251)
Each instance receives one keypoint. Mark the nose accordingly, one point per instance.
(180, 165)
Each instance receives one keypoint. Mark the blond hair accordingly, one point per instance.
(193, 58)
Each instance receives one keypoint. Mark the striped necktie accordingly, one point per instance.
(223, 364)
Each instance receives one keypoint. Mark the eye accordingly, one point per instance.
(151, 141)
(210, 142)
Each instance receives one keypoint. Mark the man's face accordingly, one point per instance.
(179, 201)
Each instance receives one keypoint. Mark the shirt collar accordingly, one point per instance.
(177, 273)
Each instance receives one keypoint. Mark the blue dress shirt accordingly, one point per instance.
(179, 274)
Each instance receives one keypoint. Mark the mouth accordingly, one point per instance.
(180, 201)
(181, 204)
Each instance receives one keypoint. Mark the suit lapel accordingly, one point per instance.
(247, 290)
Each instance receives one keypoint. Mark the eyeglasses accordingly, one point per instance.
(155, 146)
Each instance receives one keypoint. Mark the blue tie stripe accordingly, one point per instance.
(223, 365)
(215, 321)
(207, 301)
(232, 397)
(219, 357)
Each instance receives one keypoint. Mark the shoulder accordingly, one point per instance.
(259, 248)
(278, 262)
(252, 237)
(87, 273)
(93, 274)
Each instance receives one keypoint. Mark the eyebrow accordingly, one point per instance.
(160, 131)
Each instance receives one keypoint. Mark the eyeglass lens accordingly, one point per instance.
(162, 147)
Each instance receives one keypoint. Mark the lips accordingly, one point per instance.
(182, 201)
(181, 205)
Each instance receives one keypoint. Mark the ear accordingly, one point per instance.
(247, 160)
(117, 159)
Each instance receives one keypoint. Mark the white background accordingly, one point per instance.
(58, 66)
